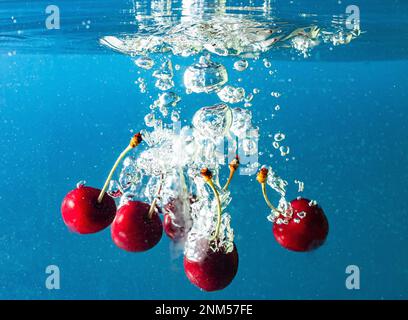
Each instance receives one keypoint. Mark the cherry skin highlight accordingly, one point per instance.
(82, 213)
(133, 230)
(302, 234)
(214, 272)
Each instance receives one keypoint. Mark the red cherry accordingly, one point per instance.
(215, 271)
(302, 234)
(133, 230)
(178, 228)
(83, 214)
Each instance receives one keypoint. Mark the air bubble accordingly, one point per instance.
(168, 99)
(279, 136)
(164, 84)
(81, 184)
(164, 111)
(249, 146)
(284, 150)
(149, 119)
(165, 72)
(312, 203)
(205, 76)
(214, 121)
(175, 116)
(267, 63)
(301, 214)
(241, 65)
(114, 190)
(144, 62)
(249, 97)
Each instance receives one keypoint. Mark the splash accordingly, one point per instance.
(167, 170)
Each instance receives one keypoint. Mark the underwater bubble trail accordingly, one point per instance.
(179, 155)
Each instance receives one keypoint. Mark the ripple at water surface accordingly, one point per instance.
(260, 24)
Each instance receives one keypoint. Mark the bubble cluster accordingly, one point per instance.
(213, 121)
(301, 185)
(142, 85)
(225, 34)
(175, 153)
(242, 122)
(231, 94)
(164, 76)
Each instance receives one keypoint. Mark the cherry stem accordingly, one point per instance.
(134, 142)
(231, 174)
(219, 209)
(267, 199)
(153, 205)
(233, 166)
(151, 210)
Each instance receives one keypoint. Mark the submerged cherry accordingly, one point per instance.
(214, 271)
(174, 232)
(176, 223)
(89, 210)
(305, 230)
(136, 228)
(82, 212)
